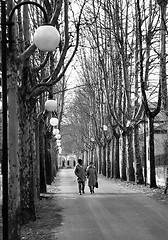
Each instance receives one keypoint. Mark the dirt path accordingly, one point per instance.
(50, 213)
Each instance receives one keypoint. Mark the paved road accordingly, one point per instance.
(111, 213)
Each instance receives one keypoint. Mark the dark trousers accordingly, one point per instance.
(91, 189)
(166, 187)
(81, 186)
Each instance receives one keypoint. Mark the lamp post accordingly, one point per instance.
(55, 131)
(51, 106)
(104, 166)
(92, 148)
(6, 24)
(145, 165)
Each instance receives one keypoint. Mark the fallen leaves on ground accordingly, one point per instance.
(49, 219)
(155, 193)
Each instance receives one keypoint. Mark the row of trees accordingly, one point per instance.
(123, 71)
(119, 55)
(33, 77)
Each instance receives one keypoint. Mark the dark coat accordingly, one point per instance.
(92, 175)
(80, 173)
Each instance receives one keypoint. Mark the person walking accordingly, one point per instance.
(92, 176)
(81, 176)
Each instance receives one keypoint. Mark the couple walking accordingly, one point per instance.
(82, 173)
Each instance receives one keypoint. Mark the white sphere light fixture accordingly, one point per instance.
(51, 105)
(105, 128)
(60, 150)
(55, 131)
(54, 121)
(46, 38)
(58, 136)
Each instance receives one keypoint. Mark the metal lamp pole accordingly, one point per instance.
(4, 24)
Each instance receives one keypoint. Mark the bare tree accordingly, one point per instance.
(144, 78)
(32, 76)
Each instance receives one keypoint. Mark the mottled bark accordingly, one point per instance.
(124, 159)
(14, 176)
(162, 74)
(100, 159)
(116, 157)
(151, 152)
(138, 162)
(112, 157)
(138, 165)
(130, 156)
(108, 160)
(48, 165)
(37, 162)
(26, 167)
(104, 160)
(43, 187)
(53, 159)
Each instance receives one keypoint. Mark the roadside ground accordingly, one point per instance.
(155, 193)
(49, 212)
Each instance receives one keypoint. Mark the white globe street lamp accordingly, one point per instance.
(58, 136)
(58, 141)
(51, 105)
(54, 121)
(59, 144)
(60, 150)
(55, 131)
(46, 38)
(105, 128)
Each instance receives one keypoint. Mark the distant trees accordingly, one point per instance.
(123, 69)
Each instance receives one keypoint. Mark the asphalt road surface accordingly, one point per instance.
(111, 213)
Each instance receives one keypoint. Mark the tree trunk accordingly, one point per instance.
(116, 158)
(43, 186)
(100, 158)
(26, 166)
(138, 163)
(14, 180)
(130, 156)
(104, 160)
(112, 156)
(48, 165)
(152, 152)
(53, 159)
(108, 159)
(56, 160)
(163, 77)
(37, 162)
(123, 160)
(148, 113)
